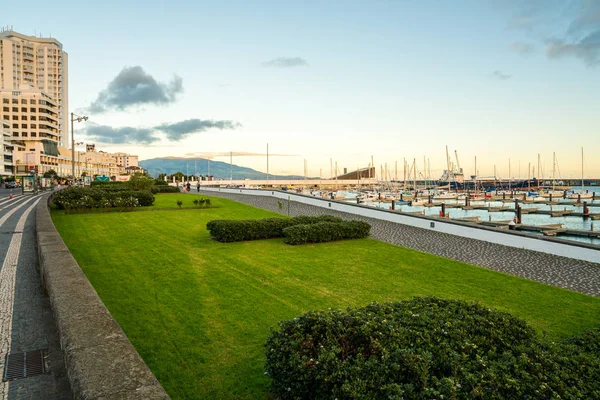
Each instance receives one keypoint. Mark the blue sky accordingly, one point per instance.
(339, 80)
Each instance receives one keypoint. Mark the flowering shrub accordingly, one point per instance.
(326, 232)
(88, 198)
(426, 348)
(256, 229)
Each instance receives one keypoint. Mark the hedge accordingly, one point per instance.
(257, 229)
(164, 189)
(85, 198)
(426, 348)
(326, 232)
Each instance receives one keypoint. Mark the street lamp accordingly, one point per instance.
(78, 118)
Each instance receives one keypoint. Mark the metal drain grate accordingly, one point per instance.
(23, 365)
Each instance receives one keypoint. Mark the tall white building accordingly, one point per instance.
(6, 148)
(30, 62)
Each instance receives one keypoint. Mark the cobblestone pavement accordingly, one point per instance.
(576, 275)
(26, 321)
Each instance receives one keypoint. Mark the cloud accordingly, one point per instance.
(500, 75)
(134, 87)
(124, 135)
(587, 49)
(285, 62)
(174, 132)
(566, 29)
(522, 48)
(182, 129)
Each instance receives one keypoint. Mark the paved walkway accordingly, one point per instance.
(576, 275)
(26, 322)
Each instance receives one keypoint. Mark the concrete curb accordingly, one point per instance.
(101, 362)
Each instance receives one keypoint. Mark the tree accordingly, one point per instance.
(139, 181)
(50, 174)
(161, 177)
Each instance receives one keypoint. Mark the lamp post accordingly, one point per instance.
(78, 118)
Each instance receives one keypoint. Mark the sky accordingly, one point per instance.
(335, 81)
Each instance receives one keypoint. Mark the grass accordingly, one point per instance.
(199, 311)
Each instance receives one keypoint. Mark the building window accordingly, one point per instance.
(6, 117)
(6, 109)
(24, 126)
(33, 134)
(23, 101)
(15, 134)
(33, 118)
(15, 126)
(5, 101)
(32, 109)
(23, 109)
(23, 117)
(32, 101)
(15, 101)
(24, 134)
(33, 126)
(15, 109)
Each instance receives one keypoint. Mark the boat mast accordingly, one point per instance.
(582, 183)
(553, 169)
(509, 179)
(425, 171)
(539, 170)
(415, 176)
(475, 174)
(448, 166)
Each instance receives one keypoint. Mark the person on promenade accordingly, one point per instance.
(198, 186)
(188, 186)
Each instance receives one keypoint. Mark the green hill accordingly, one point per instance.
(218, 169)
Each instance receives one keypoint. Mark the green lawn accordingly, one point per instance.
(199, 311)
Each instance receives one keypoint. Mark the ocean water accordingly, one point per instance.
(569, 222)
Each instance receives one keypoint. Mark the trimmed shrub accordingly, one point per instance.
(160, 182)
(106, 184)
(257, 229)
(424, 348)
(326, 232)
(164, 189)
(86, 198)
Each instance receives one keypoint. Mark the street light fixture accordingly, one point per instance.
(78, 118)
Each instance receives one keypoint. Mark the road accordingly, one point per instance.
(26, 322)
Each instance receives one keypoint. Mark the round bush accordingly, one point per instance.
(424, 348)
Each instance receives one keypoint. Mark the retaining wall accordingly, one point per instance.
(556, 246)
(101, 362)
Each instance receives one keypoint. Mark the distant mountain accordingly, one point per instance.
(218, 169)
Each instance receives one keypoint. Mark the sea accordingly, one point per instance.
(569, 222)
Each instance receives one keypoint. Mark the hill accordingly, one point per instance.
(218, 169)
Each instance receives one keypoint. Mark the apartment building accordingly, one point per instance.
(6, 166)
(33, 119)
(124, 160)
(36, 63)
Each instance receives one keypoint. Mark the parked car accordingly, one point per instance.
(10, 185)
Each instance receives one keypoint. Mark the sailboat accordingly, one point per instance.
(581, 195)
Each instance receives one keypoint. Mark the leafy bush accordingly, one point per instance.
(425, 348)
(79, 198)
(257, 229)
(106, 184)
(326, 232)
(140, 182)
(164, 189)
(160, 182)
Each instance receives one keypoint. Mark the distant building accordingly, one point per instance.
(6, 166)
(30, 62)
(33, 118)
(124, 161)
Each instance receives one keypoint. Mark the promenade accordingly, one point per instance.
(26, 322)
(576, 275)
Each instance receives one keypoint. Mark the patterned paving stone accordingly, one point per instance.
(575, 275)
